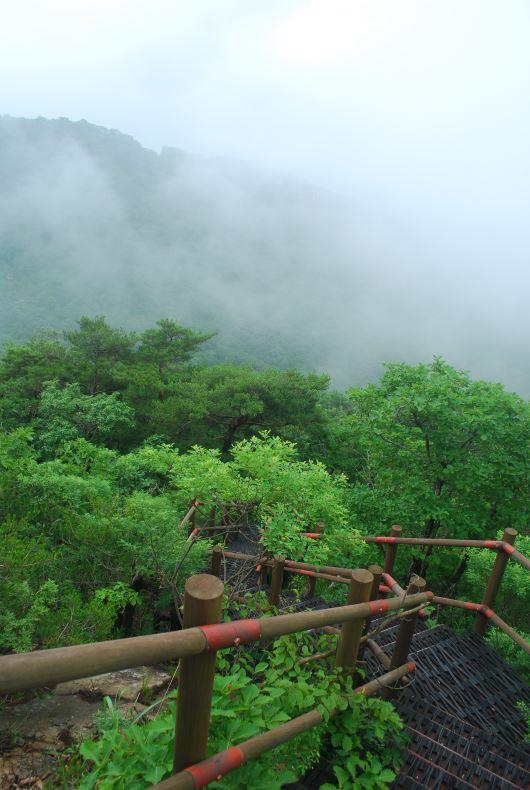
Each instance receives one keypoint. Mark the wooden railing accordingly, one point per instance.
(484, 612)
(203, 635)
(196, 647)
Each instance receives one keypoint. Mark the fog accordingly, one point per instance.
(355, 188)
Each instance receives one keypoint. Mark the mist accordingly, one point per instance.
(328, 184)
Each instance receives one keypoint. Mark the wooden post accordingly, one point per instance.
(350, 634)
(391, 550)
(276, 581)
(494, 581)
(376, 571)
(405, 633)
(203, 595)
(264, 576)
(312, 583)
(217, 558)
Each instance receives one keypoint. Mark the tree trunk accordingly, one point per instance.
(455, 578)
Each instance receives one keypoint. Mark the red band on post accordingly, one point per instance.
(384, 588)
(313, 535)
(216, 767)
(303, 572)
(474, 607)
(221, 635)
(378, 607)
(388, 579)
(385, 539)
(507, 548)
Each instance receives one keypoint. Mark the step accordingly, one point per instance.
(422, 640)
(463, 769)
(471, 751)
(474, 685)
(475, 750)
(419, 772)
(422, 716)
(423, 637)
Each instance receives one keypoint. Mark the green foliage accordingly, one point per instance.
(112, 386)
(251, 696)
(439, 453)
(22, 611)
(72, 526)
(367, 746)
(65, 414)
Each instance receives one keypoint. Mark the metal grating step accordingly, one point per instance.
(422, 716)
(420, 772)
(474, 685)
(423, 637)
(472, 753)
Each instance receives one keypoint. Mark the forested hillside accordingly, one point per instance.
(288, 275)
(92, 222)
(107, 434)
(106, 437)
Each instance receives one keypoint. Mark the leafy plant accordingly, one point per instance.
(254, 693)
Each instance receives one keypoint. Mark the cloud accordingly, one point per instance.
(416, 111)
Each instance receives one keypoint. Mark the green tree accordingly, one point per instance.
(24, 370)
(169, 346)
(64, 413)
(96, 348)
(221, 404)
(437, 452)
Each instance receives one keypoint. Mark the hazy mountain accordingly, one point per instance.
(93, 223)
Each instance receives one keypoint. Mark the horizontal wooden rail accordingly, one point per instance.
(396, 588)
(40, 668)
(214, 768)
(328, 577)
(487, 612)
(330, 569)
(476, 544)
(496, 545)
(290, 565)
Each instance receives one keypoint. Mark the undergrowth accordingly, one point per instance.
(252, 694)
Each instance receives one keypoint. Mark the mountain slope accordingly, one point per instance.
(289, 275)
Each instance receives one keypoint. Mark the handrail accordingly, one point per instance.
(495, 545)
(23, 671)
(336, 574)
(327, 577)
(487, 612)
(290, 565)
(215, 767)
(396, 588)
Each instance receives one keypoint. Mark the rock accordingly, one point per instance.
(33, 733)
(130, 685)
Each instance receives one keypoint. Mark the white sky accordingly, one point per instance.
(420, 108)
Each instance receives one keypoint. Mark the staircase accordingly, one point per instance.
(459, 708)
(460, 714)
